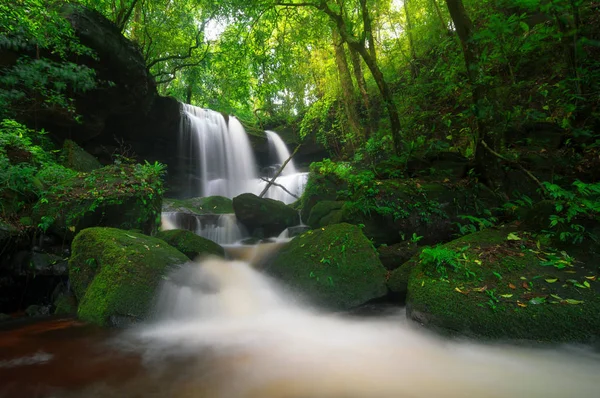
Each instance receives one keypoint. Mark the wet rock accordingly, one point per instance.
(190, 244)
(74, 157)
(48, 264)
(394, 256)
(5, 317)
(37, 310)
(203, 205)
(271, 215)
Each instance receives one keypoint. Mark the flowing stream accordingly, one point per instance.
(223, 329)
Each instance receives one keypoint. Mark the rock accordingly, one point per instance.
(65, 304)
(394, 256)
(119, 196)
(486, 285)
(325, 213)
(5, 317)
(48, 264)
(74, 157)
(397, 282)
(190, 244)
(7, 231)
(271, 215)
(205, 205)
(335, 266)
(114, 273)
(37, 310)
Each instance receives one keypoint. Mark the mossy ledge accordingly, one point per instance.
(191, 244)
(510, 294)
(115, 273)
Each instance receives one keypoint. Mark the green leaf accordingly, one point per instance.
(506, 295)
(524, 26)
(574, 302)
(512, 236)
(551, 280)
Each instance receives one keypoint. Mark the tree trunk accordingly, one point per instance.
(348, 96)
(487, 167)
(362, 88)
(368, 28)
(438, 11)
(360, 48)
(411, 43)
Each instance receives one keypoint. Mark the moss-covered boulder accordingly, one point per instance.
(322, 185)
(325, 213)
(74, 157)
(114, 273)
(504, 283)
(190, 244)
(205, 205)
(122, 196)
(336, 266)
(269, 215)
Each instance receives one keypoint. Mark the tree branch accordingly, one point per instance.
(280, 186)
(279, 172)
(527, 172)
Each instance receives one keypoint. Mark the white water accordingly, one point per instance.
(245, 337)
(222, 160)
(278, 147)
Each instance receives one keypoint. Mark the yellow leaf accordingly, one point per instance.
(512, 286)
(72, 228)
(480, 289)
(512, 236)
(506, 295)
(520, 304)
(551, 280)
(591, 278)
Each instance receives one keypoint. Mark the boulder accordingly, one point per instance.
(74, 157)
(504, 283)
(272, 216)
(203, 205)
(114, 273)
(120, 196)
(190, 244)
(335, 266)
(320, 186)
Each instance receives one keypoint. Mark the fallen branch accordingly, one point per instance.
(280, 186)
(272, 181)
(519, 165)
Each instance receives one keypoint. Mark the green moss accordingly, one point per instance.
(321, 213)
(114, 273)
(336, 266)
(320, 187)
(190, 244)
(271, 215)
(511, 295)
(206, 205)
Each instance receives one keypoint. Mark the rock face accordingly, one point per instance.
(493, 284)
(191, 244)
(74, 157)
(267, 215)
(114, 273)
(336, 267)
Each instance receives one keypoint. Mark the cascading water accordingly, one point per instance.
(239, 335)
(220, 158)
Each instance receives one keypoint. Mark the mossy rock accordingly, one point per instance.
(191, 244)
(500, 289)
(114, 273)
(320, 187)
(205, 205)
(392, 257)
(325, 213)
(397, 281)
(114, 196)
(336, 266)
(269, 215)
(74, 157)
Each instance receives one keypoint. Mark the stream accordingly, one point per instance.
(222, 329)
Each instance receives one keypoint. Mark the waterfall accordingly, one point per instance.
(219, 152)
(218, 156)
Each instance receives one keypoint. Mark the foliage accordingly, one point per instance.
(441, 259)
(45, 74)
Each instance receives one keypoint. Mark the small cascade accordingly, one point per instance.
(223, 229)
(278, 148)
